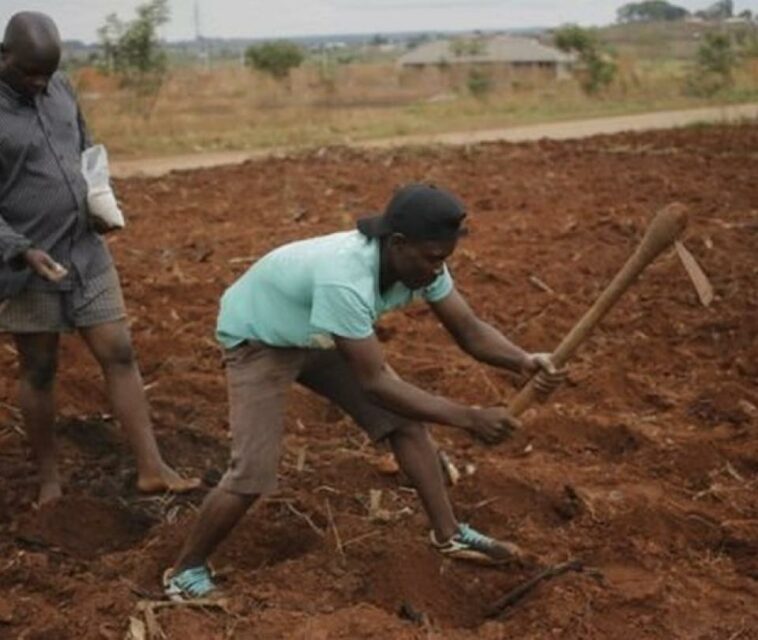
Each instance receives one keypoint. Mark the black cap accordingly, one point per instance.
(419, 212)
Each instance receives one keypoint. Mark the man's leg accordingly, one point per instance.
(38, 355)
(219, 514)
(419, 460)
(329, 375)
(111, 345)
(257, 381)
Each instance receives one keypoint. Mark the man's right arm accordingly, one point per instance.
(366, 359)
(16, 251)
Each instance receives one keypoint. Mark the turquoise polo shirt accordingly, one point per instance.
(305, 293)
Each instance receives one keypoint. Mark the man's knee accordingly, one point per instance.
(244, 498)
(119, 354)
(247, 498)
(409, 431)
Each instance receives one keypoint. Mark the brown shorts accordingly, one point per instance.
(99, 301)
(258, 378)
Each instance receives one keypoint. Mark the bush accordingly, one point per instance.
(479, 83)
(275, 58)
(714, 66)
(598, 67)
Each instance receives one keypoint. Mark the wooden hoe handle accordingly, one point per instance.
(661, 233)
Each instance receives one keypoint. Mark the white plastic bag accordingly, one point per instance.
(101, 200)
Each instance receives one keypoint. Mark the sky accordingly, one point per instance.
(79, 19)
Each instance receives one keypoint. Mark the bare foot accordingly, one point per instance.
(167, 480)
(49, 490)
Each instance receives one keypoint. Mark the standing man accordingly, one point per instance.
(56, 273)
(305, 313)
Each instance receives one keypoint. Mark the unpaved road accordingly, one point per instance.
(555, 131)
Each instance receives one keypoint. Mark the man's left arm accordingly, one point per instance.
(486, 344)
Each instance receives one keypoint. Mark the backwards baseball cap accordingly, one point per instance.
(419, 212)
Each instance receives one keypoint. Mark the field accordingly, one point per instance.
(645, 466)
(232, 108)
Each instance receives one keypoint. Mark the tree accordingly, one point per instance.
(133, 48)
(718, 10)
(573, 38)
(716, 55)
(651, 11)
(416, 41)
(133, 51)
(714, 65)
(598, 67)
(275, 58)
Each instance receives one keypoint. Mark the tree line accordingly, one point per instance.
(133, 49)
(662, 11)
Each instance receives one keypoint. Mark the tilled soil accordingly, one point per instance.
(644, 466)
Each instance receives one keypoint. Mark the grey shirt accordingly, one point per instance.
(42, 190)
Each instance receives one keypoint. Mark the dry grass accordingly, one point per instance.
(234, 108)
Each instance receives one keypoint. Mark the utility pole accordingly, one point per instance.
(200, 41)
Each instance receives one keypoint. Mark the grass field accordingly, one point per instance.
(230, 108)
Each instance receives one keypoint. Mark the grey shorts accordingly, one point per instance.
(99, 301)
(258, 378)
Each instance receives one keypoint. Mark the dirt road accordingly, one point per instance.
(553, 131)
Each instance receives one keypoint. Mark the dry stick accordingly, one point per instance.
(154, 630)
(10, 408)
(143, 594)
(541, 285)
(483, 503)
(332, 524)
(360, 538)
(700, 281)
(514, 595)
(490, 385)
(537, 314)
(202, 603)
(305, 517)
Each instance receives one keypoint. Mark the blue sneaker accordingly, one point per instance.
(469, 544)
(194, 583)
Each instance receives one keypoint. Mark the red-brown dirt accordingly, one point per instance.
(644, 466)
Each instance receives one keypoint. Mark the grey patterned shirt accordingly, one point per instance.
(42, 190)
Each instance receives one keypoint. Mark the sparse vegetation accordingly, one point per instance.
(479, 83)
(344, 92)
(132, 49)
(276, 58)
(715, 64)
(597, 67)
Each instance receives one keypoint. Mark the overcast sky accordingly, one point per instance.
(79, 19)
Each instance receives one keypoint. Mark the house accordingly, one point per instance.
(512, 56)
